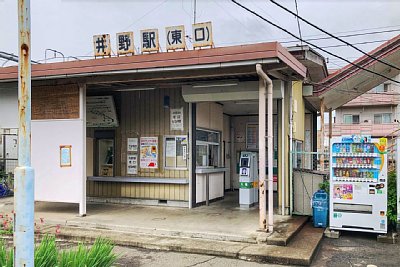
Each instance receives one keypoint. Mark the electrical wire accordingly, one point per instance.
(359, 43)
(315, 46)
(333, 36)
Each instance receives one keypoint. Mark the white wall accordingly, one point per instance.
(216, 181)
(9, 107)
(52, 182)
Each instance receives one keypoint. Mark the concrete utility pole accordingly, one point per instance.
(24, 175)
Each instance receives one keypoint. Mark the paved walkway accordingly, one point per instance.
(222, 220)
(221, 229)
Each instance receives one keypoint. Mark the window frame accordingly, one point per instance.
(208, 144)
(381, 116)
(352, 118)
(165, 150)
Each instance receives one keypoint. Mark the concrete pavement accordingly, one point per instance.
(221, 229)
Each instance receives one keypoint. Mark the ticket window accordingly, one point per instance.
(207, 148)
(105, 149)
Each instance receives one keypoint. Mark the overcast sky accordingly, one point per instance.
(68, 25)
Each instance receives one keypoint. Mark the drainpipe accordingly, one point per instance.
(291, 148)
(24, 175)
(283, 152)
(263, 81)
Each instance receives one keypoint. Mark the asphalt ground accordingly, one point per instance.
(351, 249)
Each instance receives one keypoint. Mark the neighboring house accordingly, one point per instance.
(374, 113)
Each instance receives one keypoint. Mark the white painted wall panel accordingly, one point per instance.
(216, 186)
(53, 183)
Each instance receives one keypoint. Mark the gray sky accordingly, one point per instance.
(68, 25)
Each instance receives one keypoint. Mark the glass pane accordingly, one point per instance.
(214, 155)
(356, 119)
(386, 118)
(377, 119)
(106, 157)
(213, 137)
(170, 152)
(348, 119)
(181, 150)
(201, 155)
(201, 135)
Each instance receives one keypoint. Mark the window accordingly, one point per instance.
(382, 118)
(351, 119)
(382, 88)
(207, 148)
(175, 152)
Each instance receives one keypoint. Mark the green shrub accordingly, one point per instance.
(392, 199)
(99, 255)
(46, 252)
(6, 256)
(324, 186)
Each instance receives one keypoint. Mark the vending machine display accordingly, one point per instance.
(248, 179)
(358, 177)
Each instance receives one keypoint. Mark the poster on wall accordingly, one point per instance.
(149, 152)
(132, 145)
(176, 120)
(65, 156)
(100, 112)
(131, 165)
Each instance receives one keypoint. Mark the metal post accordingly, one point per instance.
(24, 175)
(398, 180)
(263, 81)
(262, 152)
(283, 155)
(322, 136)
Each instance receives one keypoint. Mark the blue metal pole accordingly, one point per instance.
(24, 175)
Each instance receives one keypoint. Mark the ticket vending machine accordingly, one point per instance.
(358, 184)
(248, 179)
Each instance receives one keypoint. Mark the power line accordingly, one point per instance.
(317, 47)
(345, 35)
(359, 43)
(333, 36)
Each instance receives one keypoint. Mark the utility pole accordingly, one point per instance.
(194, 11)
(24, 175)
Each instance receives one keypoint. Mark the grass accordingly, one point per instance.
(100, 254)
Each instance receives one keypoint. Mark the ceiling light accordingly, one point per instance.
(214, 85)
(136, 89)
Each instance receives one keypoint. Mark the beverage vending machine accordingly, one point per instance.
(358, 178)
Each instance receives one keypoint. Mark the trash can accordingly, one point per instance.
(320, 208)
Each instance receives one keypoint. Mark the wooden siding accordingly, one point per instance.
(143, 114)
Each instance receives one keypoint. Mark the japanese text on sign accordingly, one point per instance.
(202, 34)
(176, 119)
(125, 43)
(149, 40)
(101, 44)
(175, 37)
(131, 166)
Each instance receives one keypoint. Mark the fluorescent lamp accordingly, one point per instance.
(246, 102)
(136, 89)
(214, 85)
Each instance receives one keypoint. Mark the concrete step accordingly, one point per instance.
(284, 232)
(299, 252)
(165, 232)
